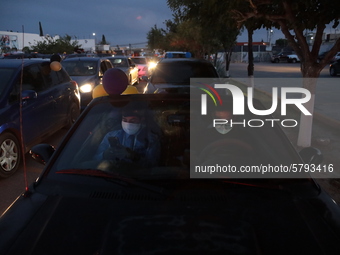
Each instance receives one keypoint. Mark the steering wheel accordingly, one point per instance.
(226, 146)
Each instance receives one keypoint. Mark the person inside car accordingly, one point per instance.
(134, 143)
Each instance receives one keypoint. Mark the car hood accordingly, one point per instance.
(183, 88)
(192, 223)
(83, 79)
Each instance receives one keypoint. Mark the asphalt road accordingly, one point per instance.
(269, 75)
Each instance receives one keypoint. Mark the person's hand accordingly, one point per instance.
(119, 153)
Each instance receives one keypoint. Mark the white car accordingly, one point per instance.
(293, 58)
(127, 65)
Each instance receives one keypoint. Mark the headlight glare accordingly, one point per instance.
(86, 88)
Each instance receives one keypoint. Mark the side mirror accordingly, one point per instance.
(311, 155)
(29, 94)
(42, 153)
(145, 78)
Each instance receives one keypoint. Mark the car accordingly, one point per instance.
(281, 57)
(336, 56)
(82, 206)
(49, 101)
(293, 58)
(172, 75)
(88, 73)
(127, 65)
(323, 54)
(143, 65)
(334, 68)
(177, 54)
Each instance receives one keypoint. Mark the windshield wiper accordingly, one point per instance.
(115, 176)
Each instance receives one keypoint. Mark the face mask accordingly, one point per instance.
(130, 128)
(223, 128)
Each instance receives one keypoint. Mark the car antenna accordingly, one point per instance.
(27, 192)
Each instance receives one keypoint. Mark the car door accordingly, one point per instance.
(103, 69)
(36, 110)
(58, 89)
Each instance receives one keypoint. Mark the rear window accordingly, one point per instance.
(180, 73)
(140, 61)
(80, 68)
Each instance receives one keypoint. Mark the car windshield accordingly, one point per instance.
(139, 61)
(80, 68)
(119, 62)
(180, 73)
(6, 75)
(95, 143)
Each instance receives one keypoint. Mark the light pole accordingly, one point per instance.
(94, 34)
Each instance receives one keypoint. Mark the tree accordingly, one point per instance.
(103, 41)
(217, 31)
(41, 33)
(294, 18)
(51, 45)
(281, 42)
(156, 38)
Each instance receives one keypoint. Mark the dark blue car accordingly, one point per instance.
(50, 101)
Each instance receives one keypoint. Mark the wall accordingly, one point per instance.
(15, 40)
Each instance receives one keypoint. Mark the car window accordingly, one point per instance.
(33, 79)
(51, 78)
(108, 64)
(168, 121)
(6, 75)
(119, 62)
(103, 68)
(80, 68)
(130, 62)
(140, 61)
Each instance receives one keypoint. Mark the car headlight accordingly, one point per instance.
(86, 88)
(152, 65)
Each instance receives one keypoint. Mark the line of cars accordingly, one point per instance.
(82, 204)
(36, 101)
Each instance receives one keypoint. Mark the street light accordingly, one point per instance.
(95, 49)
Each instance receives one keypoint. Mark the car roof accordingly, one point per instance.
(15, 63)
(83, 59)
(181, 60)
(118, 56)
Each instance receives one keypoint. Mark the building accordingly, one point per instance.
(15, 41)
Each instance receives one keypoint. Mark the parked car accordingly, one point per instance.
(127, 65)
(323, 54)
(336, 57)
(334, 68)
(293, 58)
(172, 75)
(281, 57)
(143, 66)
(88, 73)
(81, 205)
(50, 101)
